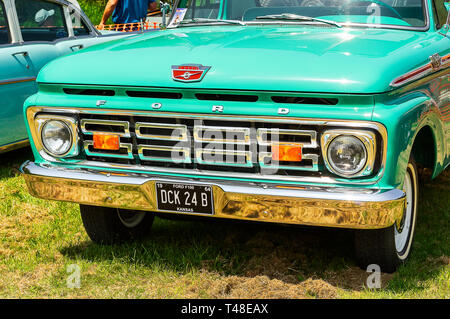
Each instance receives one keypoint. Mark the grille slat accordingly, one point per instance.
(173, 154)
(174, 132)
(121, 128)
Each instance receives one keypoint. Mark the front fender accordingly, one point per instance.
(404, 117)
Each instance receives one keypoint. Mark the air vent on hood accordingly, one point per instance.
(155, 95)
(98, 92)
(227, 97)
(304, 100)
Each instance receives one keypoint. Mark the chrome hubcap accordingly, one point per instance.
(130, 219)
(402, 232)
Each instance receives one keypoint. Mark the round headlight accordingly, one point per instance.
(347, 155)
(56, 137)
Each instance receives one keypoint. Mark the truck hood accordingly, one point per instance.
(269, 58)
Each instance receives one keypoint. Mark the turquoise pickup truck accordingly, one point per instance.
(318, 113)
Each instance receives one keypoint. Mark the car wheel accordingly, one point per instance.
(111, 225)
(391, 246)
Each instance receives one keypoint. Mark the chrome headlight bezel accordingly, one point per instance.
(72, 126)
(368, 140)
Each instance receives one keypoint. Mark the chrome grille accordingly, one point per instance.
(120, 128)
(203, 144)
(310, 142)
(178, 133)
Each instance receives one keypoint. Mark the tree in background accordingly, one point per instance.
(94, 9)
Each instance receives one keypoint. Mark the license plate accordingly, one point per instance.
(185, 198)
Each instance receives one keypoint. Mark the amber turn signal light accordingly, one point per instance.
(288, 153)
(106, 142)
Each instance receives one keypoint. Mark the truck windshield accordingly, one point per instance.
(392, 13)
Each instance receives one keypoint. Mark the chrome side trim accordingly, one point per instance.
(32, 111)
(14, 146)
(17, 80)
(318, 206)
(421, 72)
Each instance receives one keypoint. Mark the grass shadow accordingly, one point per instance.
(291, 254)
(10, 162)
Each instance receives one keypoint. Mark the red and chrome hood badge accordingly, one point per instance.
(189, 72)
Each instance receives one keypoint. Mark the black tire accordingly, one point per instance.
(111, 225)
(379, 246)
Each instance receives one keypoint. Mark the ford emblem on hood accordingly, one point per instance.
(189, 72)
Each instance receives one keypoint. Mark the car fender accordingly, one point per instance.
(404, 118)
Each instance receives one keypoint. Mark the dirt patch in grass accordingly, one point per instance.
(260, 287)
(295, 262)
(23, 283)
(5, 252)
(287, 257)
(354, 278)
(22, 226)
(444, 260)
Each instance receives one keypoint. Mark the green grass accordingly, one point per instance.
(191, 259)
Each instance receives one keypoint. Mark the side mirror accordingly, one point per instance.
(165, 8)
(446, 26)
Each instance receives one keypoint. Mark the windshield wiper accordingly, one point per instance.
(202, 20)
(290, 16)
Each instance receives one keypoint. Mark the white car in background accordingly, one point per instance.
(32, 33)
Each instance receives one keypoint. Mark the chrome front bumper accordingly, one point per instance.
(308, 205)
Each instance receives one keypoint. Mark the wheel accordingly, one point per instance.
(111, 225)
(391, 246)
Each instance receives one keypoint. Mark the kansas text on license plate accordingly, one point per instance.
(185, 198)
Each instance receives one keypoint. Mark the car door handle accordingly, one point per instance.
(25, 54)
(79, 46)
